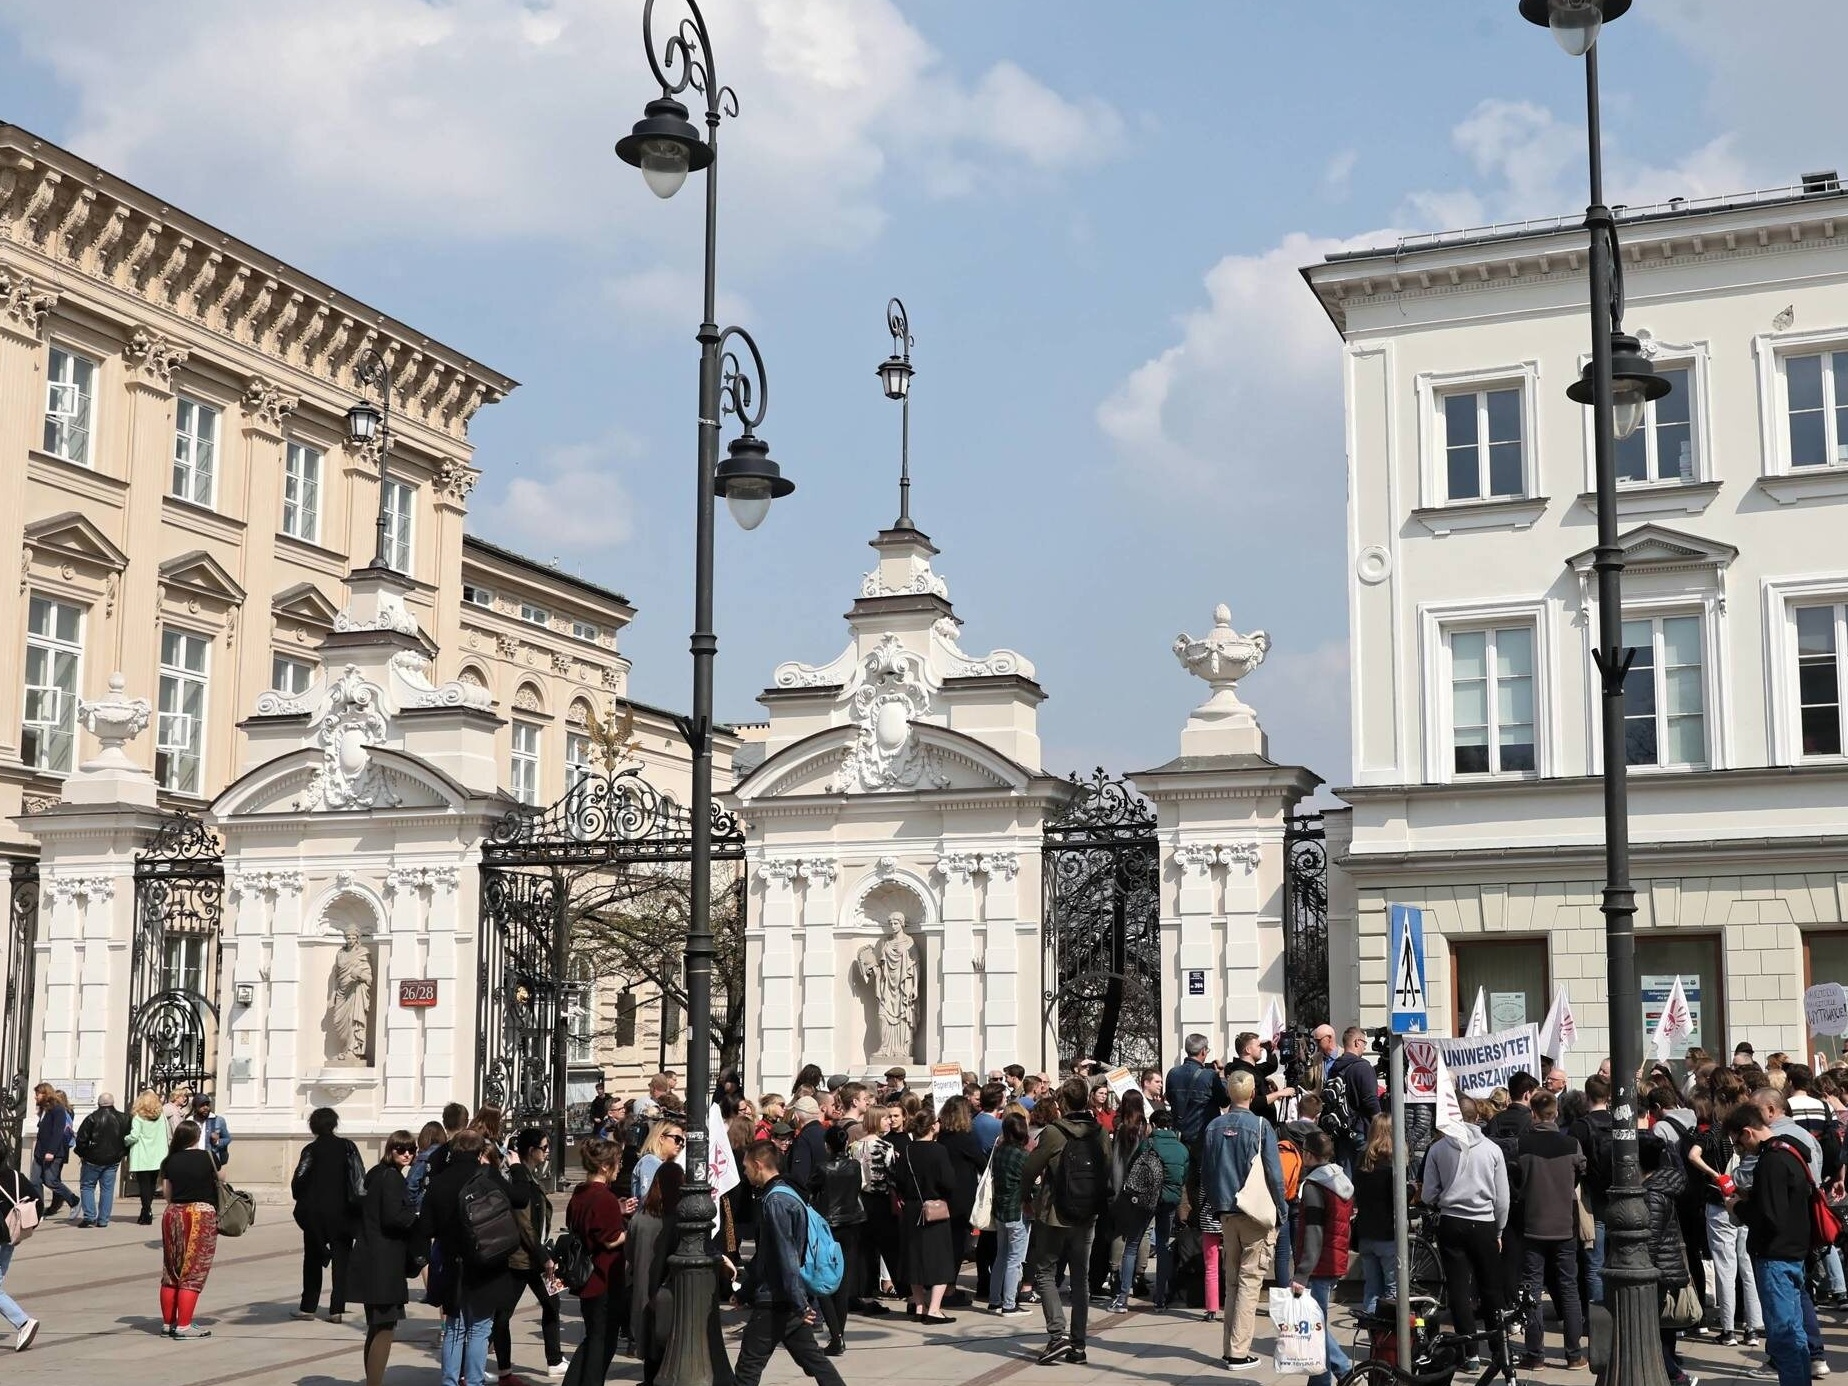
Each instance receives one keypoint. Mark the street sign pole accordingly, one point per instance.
(1401, 1214)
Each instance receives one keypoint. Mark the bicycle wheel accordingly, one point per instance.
(1427, 1270)
(1373, 1373)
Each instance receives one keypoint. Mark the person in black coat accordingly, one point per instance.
(329, 1186)
(956, 1134)
(384, 1251)
(927, 1175)
(469, 1292)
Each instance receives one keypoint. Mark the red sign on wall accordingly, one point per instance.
(417, 994)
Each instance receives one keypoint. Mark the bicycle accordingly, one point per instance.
(1436, 1356)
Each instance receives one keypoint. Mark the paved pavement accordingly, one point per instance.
(96, 1291)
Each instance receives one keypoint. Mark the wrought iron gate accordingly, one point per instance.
(177, 959)
(1103, 926)
(20, 997)
(1305, 922)
(541, 870)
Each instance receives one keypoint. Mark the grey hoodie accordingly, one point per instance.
(1467, 1179)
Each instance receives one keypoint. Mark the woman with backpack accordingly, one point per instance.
(15, 1193)
(1168, 1147)
(384, 1249)
(1136, 1178)
(927, 1183)
(469, 1212)
(531, 1262)
(596, 1217)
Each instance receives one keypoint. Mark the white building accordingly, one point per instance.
(1472, 611)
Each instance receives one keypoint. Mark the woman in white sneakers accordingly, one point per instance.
(14, 1192)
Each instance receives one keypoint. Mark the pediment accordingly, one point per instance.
(307, 604)
(199, 573)
(959, 764)
(1657, 548)
(71, 535)
(284, 786)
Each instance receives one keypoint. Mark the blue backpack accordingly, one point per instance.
(822, 1267)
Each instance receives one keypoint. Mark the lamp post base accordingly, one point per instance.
(1632, 1293)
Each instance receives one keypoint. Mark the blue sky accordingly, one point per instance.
(1127, 406)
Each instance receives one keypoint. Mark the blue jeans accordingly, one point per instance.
(1010, 1257)
(1338, 1362)
(9, 1310)
(94, 1177)
(465, 1349)
(52, 1177)
(1832, 1263)
(1594, 1266)
(1132, 1253)
(1379, 1268)
(1780, 1292)
(1281, 1255)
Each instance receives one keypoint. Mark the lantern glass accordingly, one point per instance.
(362, 423)
(748, 499)
(664, 166)
(1574, 24)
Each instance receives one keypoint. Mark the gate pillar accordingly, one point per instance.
(86, 927)
(1221, 808)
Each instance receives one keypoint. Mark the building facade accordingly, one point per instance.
(1475, 789)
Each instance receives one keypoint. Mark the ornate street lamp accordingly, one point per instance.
(895, 376)
(1618, 384)
(666, 147)
(367, 423)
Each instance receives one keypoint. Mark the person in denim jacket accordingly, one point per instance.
(1231, 1143)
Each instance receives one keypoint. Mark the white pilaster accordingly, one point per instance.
(1001, 980)
(819, 964)
(957, 1017)
(780, 1000)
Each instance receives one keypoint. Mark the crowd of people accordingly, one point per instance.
(1200, 1188)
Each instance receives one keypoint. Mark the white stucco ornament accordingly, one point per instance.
(351, 723)
(114, 721)
(888, 690)
(1222, 725)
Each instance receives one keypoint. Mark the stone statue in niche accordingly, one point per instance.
(349, 1016)
(890, 968)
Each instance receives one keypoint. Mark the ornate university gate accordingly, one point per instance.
(1305, 922)
(19, 998)
(1103, 927)
(612, 840)
(177, 959)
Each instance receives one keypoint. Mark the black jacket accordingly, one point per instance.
(1776, 1211)
(385, 1240)
(966, 1165)
(535, 1220)
(1363, 1086)
(1260, 1076)
(808, 1156)
(774, 1275)
(483, 1290)
(1550, 1163)
(839, 1200)
(329, 1184)
(1667, 1249)
(103, 1137)
(1195, 1093)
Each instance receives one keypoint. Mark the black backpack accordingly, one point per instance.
(1599, 1158)
(1142, 1185)
(489, 1230)
(1081, 1184)
(1337, 1118)
(571, 1258)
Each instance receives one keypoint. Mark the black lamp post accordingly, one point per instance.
(666, 147)
(895, 376)
(1617, 384)
(367, 422)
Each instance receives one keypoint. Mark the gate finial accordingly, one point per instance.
(1222, 725)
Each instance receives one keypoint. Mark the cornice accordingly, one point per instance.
(78, 226)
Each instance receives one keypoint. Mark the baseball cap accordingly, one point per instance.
(782, 1131)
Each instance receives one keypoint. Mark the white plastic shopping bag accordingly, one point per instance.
(1302, 1344)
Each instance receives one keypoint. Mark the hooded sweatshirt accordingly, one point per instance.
(1322, 1218)
(1466, 1177)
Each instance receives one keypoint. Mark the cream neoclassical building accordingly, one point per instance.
(175, 474)
(1475, 787)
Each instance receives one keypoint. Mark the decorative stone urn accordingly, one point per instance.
(1223, 724)
(110, 776)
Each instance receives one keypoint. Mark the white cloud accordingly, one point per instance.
(345, 119)
(662, 294)
(571, 501)
(1301, 698)
(1338, 177)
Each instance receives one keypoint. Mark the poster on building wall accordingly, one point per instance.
(1655, 987)
(1507, 1009)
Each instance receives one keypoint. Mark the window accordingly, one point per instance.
(1817, 389)
(1822, 639)
(183, 963)
(1664, 697)
(535, 615)
(1695, 960)
(195, 450)
(526, 762)
(179, 732)
(1662, 449)
(399, 500)
(70, 393)
(580, 1013)
(1511, 974)
(301, 492)
(54, 655)
(1483, 456)
(291, 676)
(626, 1007)
(1492, 701)
(477, 596)
(578, 766)
(584, 630)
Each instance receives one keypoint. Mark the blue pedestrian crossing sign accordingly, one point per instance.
(1405, 970)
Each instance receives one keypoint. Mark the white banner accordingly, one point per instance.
(1825, 1008)
(945, 1083)
(1478, 1063)
(1121, 1080)
(1478, 1016)
(1273, 1022)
